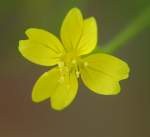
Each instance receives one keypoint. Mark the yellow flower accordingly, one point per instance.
(100, 72)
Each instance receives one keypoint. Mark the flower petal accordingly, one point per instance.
(46, 38)
(71, 29)
(65, 92)
(45, 85)
(51, 85)
(41, 48)
(88, 39)
(103, 72)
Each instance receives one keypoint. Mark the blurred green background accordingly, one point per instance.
(90, 115)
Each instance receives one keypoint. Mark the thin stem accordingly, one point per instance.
(133, 29)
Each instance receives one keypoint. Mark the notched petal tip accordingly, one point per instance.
(91, 19)
(125, 71)
(35, 100)
(21, 46)
(59, 107)
(91, 22)
(127, 74)
(56, 108)
(28, 30)
(31, 29)
(20, 43)
(75, 10)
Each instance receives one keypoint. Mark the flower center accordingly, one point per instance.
(69, 63)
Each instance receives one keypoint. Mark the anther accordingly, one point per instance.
(61, 80)
(77, 74)
(85, 64)
(61, 64)
(74, 61)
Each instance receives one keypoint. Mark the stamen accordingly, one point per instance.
(61, 64)
(66, 69)
(85, 64)
(77, 74)
(74, 61)
(61, 80)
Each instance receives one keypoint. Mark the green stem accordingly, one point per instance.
(133, 29)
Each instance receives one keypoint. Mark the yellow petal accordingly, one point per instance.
(71, 29)
(102, 73)
(113, 66)
(45, 85)
(65, 92)
(89, 36)
(38, 53)
(46, 38)
(61, 90)
(42, 47)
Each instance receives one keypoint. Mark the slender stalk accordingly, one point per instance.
(139, 24)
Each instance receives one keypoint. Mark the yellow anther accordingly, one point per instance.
(61, 80)
(61, 64)
(85, 64)
(66, 69)
(74, 61)
(77, 74)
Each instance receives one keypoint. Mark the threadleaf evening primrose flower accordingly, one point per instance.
(100, 72)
